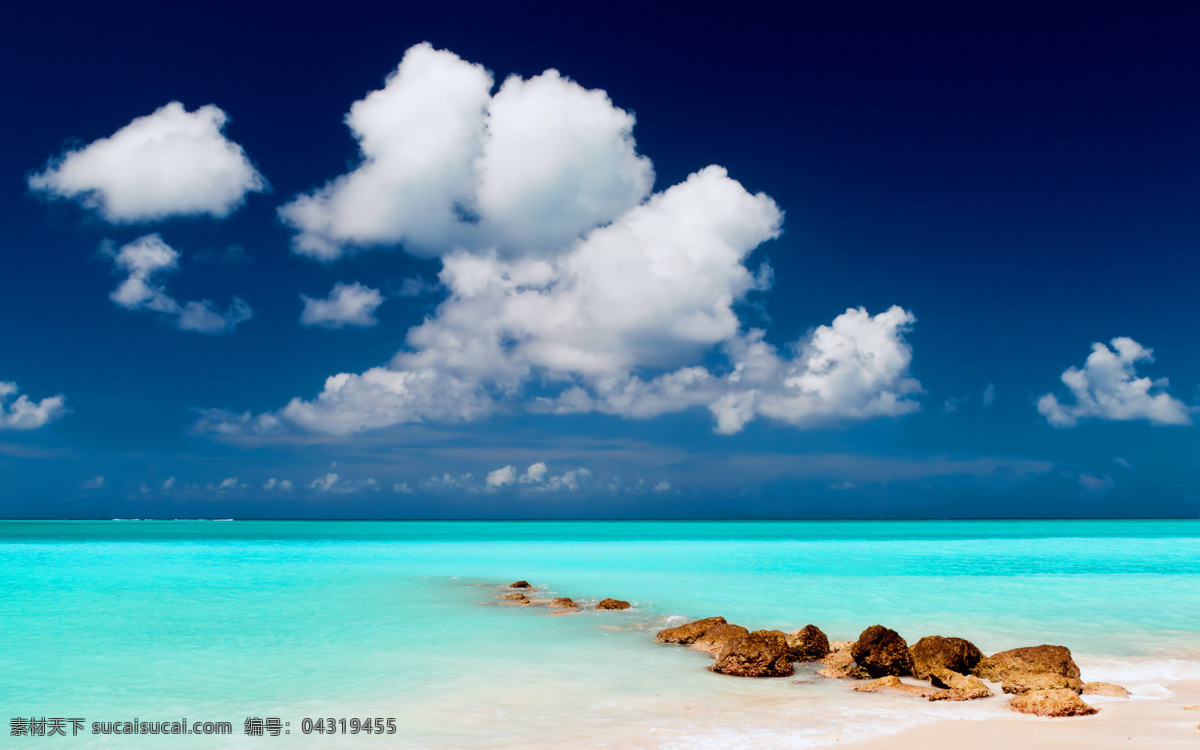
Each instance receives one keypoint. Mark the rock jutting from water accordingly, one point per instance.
(881, 652)
(686, 634)
(808, 644)
(1051, 703)
(520, 585)
(763, 653)
(564, 601)
(892, 682)
(715, 638)
(934, 652)
(612, 604)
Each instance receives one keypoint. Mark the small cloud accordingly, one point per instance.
(989, 395)
(22, 413)
(169, 483)
(1107, 388)
(663, 486)
(1124, 464)
(346, 305)
(325, 483)
(501, 477)
(839, 486)
(1096, 486)
(952, 404)
(402, 488)
(94, 483)
(416, 287)
(535, 474)
(229, 483)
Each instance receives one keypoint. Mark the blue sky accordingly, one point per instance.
(385, 261)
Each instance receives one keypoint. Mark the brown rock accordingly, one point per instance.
(935, 652)
(515, 596)
(612, 604)
(1053, 659)
(564, 601)
(840, 666)
(763, 653)
(808, 644)
(687, 633)
(1018, 683)
(1051, 703)
(520, 585)
(835, 646)
(1191, 708)
(958, 687)
(1105, 688)
(892, 682)
(715, 638)
(881, 651)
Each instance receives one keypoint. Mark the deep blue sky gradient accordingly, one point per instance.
(1026, 181)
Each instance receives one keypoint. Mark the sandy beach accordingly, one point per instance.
(1158, 723)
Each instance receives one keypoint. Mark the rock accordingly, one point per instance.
(958, 687)
(1105, 688)
(564, 601)
(808, 644)
(763, 653)
(520, 585)
(1051, 703)
(715, 638)
(1053, 659)
(1192, 708)
(840, 666)
(687, 633)
(835, 646)
(935, 652)
(612, 604)
(1018, 683)
(892, 682)
(516, 596)
(881, 651)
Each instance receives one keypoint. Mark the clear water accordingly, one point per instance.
(221, 621)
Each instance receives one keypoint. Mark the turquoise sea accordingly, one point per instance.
(221, 621)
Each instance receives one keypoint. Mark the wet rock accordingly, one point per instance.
(520, 585)
(515, 596)
(687, 633)
(612, 604)
(892, 682)
(808, 644)
(935, 652)
(715, 638)
(835, 646)
(1052, 659)
(840, 666)
(564, 601)
(958, 687)
(1018, 683)
(1051, 703)
(763, 653)
(1105, 688)
(881, 651)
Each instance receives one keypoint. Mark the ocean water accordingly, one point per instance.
(221, 621)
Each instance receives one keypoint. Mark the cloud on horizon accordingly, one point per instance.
(168, 163)
(1107, 388)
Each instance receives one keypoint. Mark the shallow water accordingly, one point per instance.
(223, 621)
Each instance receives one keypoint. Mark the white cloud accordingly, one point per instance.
(1095, 486)
(19, 412)
(168, 484)
(662, 486)
(1108, 388)
(230, 483)
(500, 477)
(535, 474)
(333, 483)
(169, 163)
(989, 395)
(148, 258)
(94, 483)
(844, 485)
(416, 287)
(402, 488)
(346, 305)
(952, 404)
(325, 483)
(445, 164)
(561, 269)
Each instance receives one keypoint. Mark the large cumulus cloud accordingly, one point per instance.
(561, 267)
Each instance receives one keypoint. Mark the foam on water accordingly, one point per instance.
(221, 621)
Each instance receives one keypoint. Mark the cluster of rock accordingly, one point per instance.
(516, 596)
(1043, 680)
